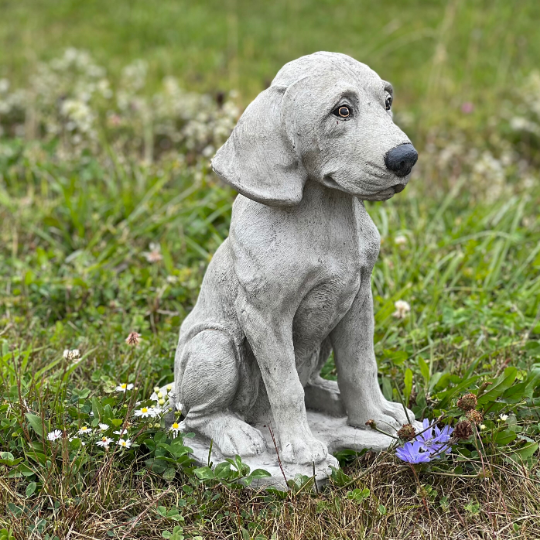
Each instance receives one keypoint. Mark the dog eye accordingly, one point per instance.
(388, 102)
(343, 111)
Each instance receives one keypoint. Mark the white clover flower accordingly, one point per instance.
(123, 387)
(124, 443)
(154, 255)
(103, 427)
(400, 240)
(72, 354)
(402, 309)
(121, 432)
(503, 417)
(85, 430)
(53, 435)
(145, 412)
(105, 441)
(175, 428)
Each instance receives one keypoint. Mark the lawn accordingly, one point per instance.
(109, 215)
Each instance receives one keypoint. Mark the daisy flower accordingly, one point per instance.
(121, 432)
(105, 441)
(123, 387)
(503, 417)
(85, 430)
(124, 443)
(53, 435)
(175, 428)
(103, 427)
(145, 412)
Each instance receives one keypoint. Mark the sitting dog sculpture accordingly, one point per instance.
(292, 281)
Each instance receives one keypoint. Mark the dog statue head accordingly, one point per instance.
(326, 117)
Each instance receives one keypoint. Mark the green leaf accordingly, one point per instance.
(30, 489)
(359, 495)
(169, 474)
(424, 369)
(36, 423)
(524, 452)
(408, 383)
(8, 459)
(501, 384)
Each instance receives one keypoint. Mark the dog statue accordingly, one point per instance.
(291, 283)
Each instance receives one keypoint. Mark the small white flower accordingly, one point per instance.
(105, 441)
(179, 406)
(400, 240)
(72, 438)
(124, 443)
(402, 309)
(85, 431)
(482, 426)
(154, 397)
(154, 255)
(72, 354)
(53, 435)
(156, 411)
(123, 387)
(503, 417)
(145, 412)
(103, 427)
(91, 413)
(121, 432)
(175, 428)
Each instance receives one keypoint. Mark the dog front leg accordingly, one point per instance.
(270, 337)
(352, 340)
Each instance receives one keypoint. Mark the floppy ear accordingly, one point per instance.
(259, 159)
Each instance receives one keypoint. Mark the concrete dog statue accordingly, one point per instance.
(292, 281)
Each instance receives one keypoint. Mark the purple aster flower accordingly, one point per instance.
(412, 453)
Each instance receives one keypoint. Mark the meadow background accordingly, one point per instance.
(109, 214)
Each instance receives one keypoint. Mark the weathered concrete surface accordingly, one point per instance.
(332, 431)
(291, 284)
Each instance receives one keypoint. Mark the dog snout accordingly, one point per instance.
(401, 159)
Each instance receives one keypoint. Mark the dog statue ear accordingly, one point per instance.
(259, 159)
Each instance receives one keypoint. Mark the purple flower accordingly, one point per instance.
(434, 440)
(412, 453)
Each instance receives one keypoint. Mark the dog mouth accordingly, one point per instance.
(385, 194)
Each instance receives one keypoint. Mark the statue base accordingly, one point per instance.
(334, 431)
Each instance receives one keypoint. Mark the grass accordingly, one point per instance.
(75, 273)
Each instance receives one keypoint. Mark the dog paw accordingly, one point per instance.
(388, 416)
(244, 440)
(303, 451)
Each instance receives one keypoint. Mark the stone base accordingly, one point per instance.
(334, 431)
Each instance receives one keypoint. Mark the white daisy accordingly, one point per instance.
(105, 441)
(103, 427)
(123, 387)
(145, 412)
(124, 443)
(121, 432)
(156, 411)
(179, 406)
(53, 435)
(85, 431)
(175, 428)
(503, 417)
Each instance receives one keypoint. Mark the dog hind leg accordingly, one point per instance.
(207, 389)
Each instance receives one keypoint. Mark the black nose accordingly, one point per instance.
(401, 159)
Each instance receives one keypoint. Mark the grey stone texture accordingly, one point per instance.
(291, 283)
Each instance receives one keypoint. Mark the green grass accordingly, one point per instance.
(75, 229)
